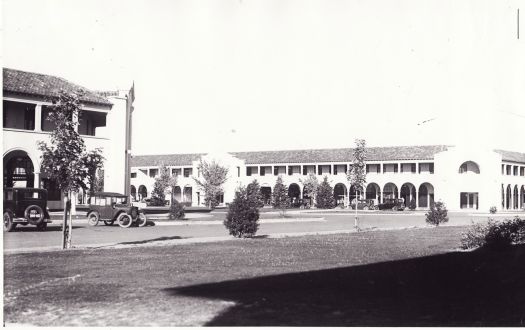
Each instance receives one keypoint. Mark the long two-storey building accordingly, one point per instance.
(462, 177)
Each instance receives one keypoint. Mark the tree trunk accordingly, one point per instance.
(65, 227)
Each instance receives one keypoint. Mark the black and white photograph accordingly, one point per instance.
(269, 163)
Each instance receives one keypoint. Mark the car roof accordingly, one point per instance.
(108, 194)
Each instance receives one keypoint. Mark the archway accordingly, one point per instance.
(187, 197)
(408, 192)
(516, 197)
(425, 195)
(508, 196)
(177, 194)
(340, 194)
(373, 191)
(133, 192)
(390, 191)
(266, 193)
(143, 192)
(294, 192)
(19, 170)
(522, 197)
(469, 167)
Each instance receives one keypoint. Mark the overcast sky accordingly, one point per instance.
(243, 75)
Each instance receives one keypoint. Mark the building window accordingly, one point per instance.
(19, 115)
(153, 172)
(175, 172)
(133, 175)
(188, 172)
(469, 166)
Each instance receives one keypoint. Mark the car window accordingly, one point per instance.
(101, 201)
(108, 200)
(30, 195)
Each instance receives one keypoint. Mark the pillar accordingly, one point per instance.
(38, 118)
(36, 182)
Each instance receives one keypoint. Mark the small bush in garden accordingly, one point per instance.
(325, 196)
(242, 218)
(412, 205)
(437, 214)
(493, 210)
(176, 211)
(494, 234)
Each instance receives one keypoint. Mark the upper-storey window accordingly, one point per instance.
(133, 175)
(153, 172)
(89, 121)
(469, 166)
(188, 172)
(19, 115)
(175, 171)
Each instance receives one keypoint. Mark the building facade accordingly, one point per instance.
(105, 122)
(469, 178)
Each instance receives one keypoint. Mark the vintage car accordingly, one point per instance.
(364, 204)
(396, 204)
(110, 207)
(23, 206)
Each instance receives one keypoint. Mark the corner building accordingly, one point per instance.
(463, 177)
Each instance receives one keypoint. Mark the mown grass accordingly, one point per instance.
(394, 278)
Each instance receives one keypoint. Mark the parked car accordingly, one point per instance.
(396, 204)
(25, 206)
(364, 204)
(110, 207)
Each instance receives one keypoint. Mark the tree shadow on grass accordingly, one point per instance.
(30, 228)
(479, 288)
(158, 239)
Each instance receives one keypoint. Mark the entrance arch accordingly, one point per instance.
(516, 197)
(177, 194)
(508, 196)
(340, 194)
(294, 192)
(266, 192)
(19, 170)
(133, 192)
(522, 197)
(408, 192)
(373, 191)
(187, 195)
(143, 192)
(390, 191)
(425, 195)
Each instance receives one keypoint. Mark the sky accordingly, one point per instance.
(249, 75)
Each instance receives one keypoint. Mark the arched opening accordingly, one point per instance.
(522, 197)
(390, 191)
(502, 196)
(133, 192)
(143, 192)
(340, 194)
(516, 197)
(266, 193)
(469, 167)
(294, 192)
(425, 195)
(18, 170)
(177, 194)
(408, 193)
(508, 196)
(373, 191)
(187, 195)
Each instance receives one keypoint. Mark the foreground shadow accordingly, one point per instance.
(159, 239)
(480, 288)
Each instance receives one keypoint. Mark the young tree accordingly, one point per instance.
(325, 195)
(243, 215)
(161, 184)
(65, 160)
(253, 191)
(280, 198)
(357, 175)
(310, 186)
(213, 177)
(437, 214)
(94, 162)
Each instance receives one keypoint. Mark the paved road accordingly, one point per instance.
(209, 226)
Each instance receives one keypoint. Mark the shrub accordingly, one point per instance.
(412, 205)
(242, 218)
(176, 211)
(280, 198)
(494, 234)
(325, 196)
(437, 214)
(253, 191)
(493, 210)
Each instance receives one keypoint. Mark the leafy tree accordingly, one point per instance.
(94, 161)
(65, 160)
(310, 186)
(357, 174)
(437, 214)
(98, 184)
(213, 177)
(253, 191)
(280, 198)
(158, 194)
(243, 215)
(325, 195)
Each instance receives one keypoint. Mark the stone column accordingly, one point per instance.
(38, 118)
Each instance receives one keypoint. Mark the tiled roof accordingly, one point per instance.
(343, 155)
(42, 85)
(511, 156)
(168, 160)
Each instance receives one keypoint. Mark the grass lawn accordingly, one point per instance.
(389, 278)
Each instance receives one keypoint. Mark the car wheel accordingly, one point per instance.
(9, 225)
(376, 207)
(394, 208)
(141, 220)
(109, 223)
(93, 219)
(42, 226)
(124, 220)
(34, 214)
(365, 208)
